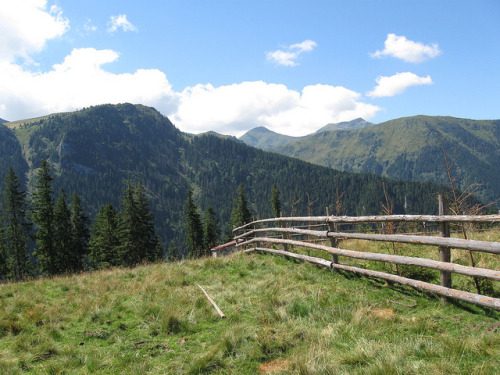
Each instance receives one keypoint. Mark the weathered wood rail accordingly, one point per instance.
(254, 237)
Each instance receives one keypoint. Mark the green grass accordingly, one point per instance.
(282, 315)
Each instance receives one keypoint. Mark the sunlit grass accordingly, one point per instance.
(282, 316)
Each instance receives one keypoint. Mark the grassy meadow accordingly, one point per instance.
(283, 317)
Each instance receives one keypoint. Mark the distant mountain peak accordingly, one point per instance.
(355, 124)
(262, 137)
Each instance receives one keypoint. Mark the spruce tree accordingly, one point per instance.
(63, 236)
(275, 201)
(240, 214)
(79, 232)
(129, 250)
(148, 240)
(104, 239)
(211, 233)
(43, 218)
(193, 226)
(17, 228)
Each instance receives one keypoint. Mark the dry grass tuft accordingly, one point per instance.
(273, 366)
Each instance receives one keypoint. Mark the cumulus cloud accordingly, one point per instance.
(236, 108)
(26, 25)
(120, 22)
(407, 50)
(80, 81)
(289, 55)
(396, 84)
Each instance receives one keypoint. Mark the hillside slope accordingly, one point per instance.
(262, 137)
(358, 123)
(266, 139)
(94, 150)
(409, 148)
(280, 315)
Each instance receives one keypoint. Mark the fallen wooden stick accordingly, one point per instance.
(212, 302)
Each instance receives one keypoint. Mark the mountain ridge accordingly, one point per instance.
(410, 148)
(92, 151)
(266, 139)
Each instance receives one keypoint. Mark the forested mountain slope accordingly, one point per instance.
(94, 150)
(409, 148)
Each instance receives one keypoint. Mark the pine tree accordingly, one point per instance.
(17, 228)
(240, 214)
(129, 250)
(63, 236)
(193, 226)
(211, 233)
(43, 218)
(104, 239)
(148, 240)
(275, 201)
(80, 232)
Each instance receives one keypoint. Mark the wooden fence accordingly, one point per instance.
(255, 237)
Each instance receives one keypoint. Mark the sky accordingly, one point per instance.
(232, 65)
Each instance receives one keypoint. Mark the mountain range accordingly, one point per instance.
(408, 148)
(94, 150)
(266, 139)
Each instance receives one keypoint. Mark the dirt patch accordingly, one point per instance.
(276, 365)
(385, 314)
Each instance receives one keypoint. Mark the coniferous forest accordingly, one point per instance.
(62, 237)
(120, 184)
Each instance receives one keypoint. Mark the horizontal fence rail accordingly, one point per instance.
(455, 243)
(381, 219)
(437, 289)
(254, 237)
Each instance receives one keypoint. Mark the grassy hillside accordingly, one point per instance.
(263, 138)
(282, 316)
(409, 148)
(358, 123)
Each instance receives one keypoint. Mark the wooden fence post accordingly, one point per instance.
(444, 251)
(332, 227)
(284, 236)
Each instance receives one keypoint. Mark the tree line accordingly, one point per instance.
(42, 234)
(201, 236)
(45, 235)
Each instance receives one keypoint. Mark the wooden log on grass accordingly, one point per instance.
(219, 311)
(437, 289)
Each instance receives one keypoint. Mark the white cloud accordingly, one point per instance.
(236, 108)
(396, 84)
(26, 25)
(290, 54)
(80, 81)
(407, 50)
(89, 27)
(120, 22)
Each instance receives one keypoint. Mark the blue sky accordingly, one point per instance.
(228, 66)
